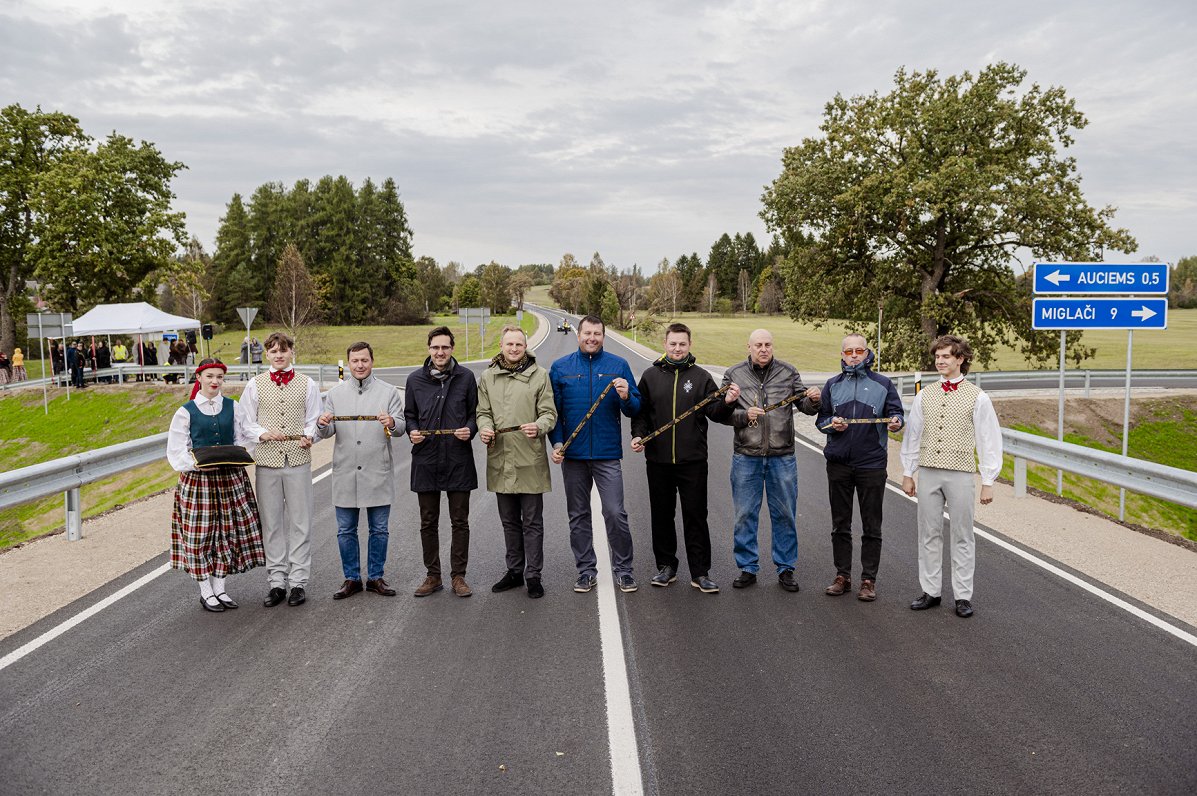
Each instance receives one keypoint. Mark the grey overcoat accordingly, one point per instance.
(363, 472)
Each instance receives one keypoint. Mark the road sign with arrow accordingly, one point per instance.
(1100, 313)
(1139, 279)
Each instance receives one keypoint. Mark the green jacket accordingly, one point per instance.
(516, 464)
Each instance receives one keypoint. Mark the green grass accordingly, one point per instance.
(1162, 434)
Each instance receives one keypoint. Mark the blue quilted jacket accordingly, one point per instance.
(577, 381)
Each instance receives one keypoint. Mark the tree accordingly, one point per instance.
(518, 286)
(494, 281)
(569, 284)
(435, 290)
(769, 291)
(187, 282)
(31, 143)
(923, 197)
(665, 289)
(468, 293)
(608, 305)
(294, 298)
(230, 264)
(744, 290)
(1182, 283)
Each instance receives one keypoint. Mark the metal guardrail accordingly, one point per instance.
(69, 473)
(1148, 478)
(129, 372)
(1045, 378)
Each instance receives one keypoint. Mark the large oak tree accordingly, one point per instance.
(922, 200)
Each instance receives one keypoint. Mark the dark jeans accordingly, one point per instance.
(606, 475)
(459, 520)
(869, 485)
(523, 532)
(666, 483)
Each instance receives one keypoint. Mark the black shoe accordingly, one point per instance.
(510, 580)
(744, 579)
(664, 576)
(964, 608)
(297, 596)
(786, 579)
(226, 601)
(705, 585)
(214, 606)
(535, 590)
(276, 596)
(924, 602)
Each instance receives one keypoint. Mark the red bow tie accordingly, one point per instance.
(282, 377)
(950, 386)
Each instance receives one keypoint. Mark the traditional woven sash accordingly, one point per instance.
(857, 420)
(589, 413)
(686, 413)
(342, 418)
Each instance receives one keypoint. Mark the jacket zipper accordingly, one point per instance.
(674, 431)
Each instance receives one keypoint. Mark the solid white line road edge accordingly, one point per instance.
(1151, 619)
(87, 613)
(621, 729)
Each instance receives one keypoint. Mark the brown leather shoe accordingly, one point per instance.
(867, 592)
(348, 589)
(380, 586)
(431, 583)
(460, 587)
(838, 586)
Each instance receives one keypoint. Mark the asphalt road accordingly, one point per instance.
(1046, 689)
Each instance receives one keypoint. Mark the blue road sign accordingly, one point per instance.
(1140, 279)
(1100, 313)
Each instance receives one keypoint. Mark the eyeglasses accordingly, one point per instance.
(858, 351)
(440, 348)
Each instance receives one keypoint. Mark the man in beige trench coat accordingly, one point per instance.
(515, 413)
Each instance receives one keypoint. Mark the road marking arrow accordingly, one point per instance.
(1056, 277)
(1144, 313)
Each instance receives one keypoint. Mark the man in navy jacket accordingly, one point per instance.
(856, 460)
(593, 457)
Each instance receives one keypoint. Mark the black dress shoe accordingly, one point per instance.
(510, 580)
(535, 590)
(743, 580)
(276, 596)
(924, 602)
(964, 608)
(214, 606)
(226, 601)
(297, 596)
(348, 589)
(786, 579)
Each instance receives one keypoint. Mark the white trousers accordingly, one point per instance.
(285, 508)
(955, 490)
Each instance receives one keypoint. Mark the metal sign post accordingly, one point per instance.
(467, 314)
(247, 317)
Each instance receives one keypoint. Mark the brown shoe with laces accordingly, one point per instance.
(867, 592)
(838, 586)
(460, 587)
(431, 583)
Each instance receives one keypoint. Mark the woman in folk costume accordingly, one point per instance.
(214, 528)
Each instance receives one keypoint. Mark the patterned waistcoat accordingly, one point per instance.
(285, 408)
(949, 439)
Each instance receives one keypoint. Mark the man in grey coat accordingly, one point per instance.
(364, 413)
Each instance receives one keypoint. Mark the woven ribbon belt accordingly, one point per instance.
(589, 413)
(686, 413)
(361, 417)
(503, 430)
(857, 420)
(784, 402)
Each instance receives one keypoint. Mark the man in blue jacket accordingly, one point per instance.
(593, 456)
(856, 460)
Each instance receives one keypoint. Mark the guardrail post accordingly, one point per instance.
(74, 515)
(1086, 384)
(1020, 477)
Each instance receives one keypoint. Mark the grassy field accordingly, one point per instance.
(722, 340)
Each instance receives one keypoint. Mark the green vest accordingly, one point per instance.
(207, 430)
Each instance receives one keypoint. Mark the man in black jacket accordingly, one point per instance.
(676, 460)
(442, 396)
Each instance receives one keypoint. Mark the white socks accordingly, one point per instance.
(206, 588)
(217, 584)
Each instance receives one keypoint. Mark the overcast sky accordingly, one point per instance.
(520, 130)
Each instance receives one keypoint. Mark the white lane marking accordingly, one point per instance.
(87, 613)
(621, 730)
(1133, 610)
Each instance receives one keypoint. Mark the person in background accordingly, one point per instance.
(18, 365)
(104, 360)
(5, 368)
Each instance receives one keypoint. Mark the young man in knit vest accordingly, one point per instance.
(951, 425)
(281, 409)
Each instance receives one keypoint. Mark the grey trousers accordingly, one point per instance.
(956, 490)
(607, 475)
(285, 508)
(523, 532)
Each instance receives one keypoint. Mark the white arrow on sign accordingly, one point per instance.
(1144, 313)
(1056, 277)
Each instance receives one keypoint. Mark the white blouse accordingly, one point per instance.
(178, 441)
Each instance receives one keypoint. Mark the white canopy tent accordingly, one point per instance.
(135, 318)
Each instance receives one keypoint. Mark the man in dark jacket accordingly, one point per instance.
(593, 456)
(676, 460)
(763, 463)
(439, 410)
(857, 459)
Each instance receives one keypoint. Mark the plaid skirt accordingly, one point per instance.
(214, 528)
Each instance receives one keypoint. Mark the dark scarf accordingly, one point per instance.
(440, 375)
(519, 367)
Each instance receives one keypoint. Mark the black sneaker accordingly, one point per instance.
(705, 585)
(510, 580)
(664, 576)
(744, 579)
(585, 583)
(786, 579)
(627, 583)
(535, 590)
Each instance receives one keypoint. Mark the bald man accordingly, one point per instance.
(763, 464)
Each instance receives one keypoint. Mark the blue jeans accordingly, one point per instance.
(777, 477)
(377, 518)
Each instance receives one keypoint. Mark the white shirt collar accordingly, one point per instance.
(202, 400)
